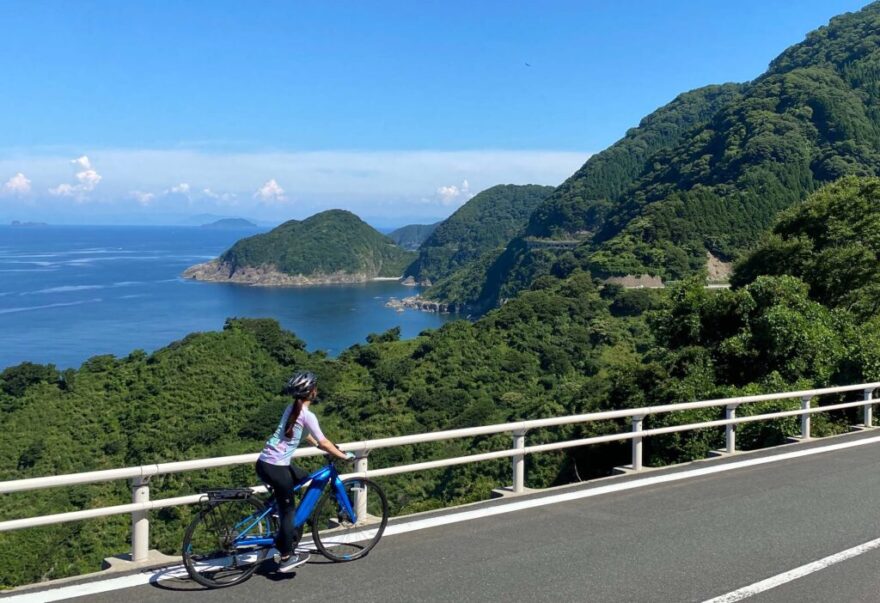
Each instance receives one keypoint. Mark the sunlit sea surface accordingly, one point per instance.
(71, 292)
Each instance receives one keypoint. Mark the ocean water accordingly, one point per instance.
(71, 292)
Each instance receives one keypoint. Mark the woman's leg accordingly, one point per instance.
(281, 480)
(296, 476)
(298, 473)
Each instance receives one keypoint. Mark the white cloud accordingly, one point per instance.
(86, 180)
(375, 184)
(270, 192)
(182, 189)
(142, 197)
(17, 185)
(452, 194)
(62, 190)
(226, 197)
(382, 175)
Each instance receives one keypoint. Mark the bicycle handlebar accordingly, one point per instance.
(332, 460)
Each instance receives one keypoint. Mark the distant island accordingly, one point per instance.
(330, 247)
(231, 224)
(19, 223)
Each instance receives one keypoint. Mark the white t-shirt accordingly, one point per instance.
(279, 449)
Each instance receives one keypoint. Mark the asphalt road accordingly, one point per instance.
(688, 540)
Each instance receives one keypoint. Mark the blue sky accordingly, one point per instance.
(144, 111)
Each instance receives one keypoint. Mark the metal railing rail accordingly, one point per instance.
(140, 476)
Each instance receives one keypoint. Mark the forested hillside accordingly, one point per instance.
(810, 119)
(488, 220)
(586, 198)
(412, 236)
(831, 242)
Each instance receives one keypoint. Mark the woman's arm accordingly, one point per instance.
(327, 446)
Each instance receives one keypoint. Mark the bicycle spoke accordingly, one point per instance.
(335, 533)
(209, 550)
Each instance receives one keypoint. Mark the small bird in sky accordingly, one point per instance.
(528, 65)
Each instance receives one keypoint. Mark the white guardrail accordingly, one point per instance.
(140, 476)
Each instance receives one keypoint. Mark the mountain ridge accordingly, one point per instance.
(578, 202)
(486, 221)
(811, 118)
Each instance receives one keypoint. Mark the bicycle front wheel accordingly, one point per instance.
(336, 535)
(213, 553)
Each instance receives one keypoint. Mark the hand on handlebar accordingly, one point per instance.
(332, 458)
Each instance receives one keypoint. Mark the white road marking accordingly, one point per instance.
(79, 590)
(93, 588)
(798, 572)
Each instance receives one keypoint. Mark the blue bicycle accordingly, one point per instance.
(235, 530)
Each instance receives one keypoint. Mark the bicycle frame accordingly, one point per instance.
(316, 482)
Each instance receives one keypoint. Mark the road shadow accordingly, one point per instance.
(176, 579)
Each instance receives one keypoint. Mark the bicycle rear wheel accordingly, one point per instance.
(336, 536)
(210, 552)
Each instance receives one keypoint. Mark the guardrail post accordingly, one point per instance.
(730, 430)
(519, 462)
(140, 521)
(805, 418)
(868, 409)
(637, 444)
(360, 496)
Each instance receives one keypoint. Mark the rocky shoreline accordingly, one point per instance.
(417, 302)
(216, 271)
(411, 282)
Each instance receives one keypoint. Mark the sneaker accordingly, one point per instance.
(295, 560)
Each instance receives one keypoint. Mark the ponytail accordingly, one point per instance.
(291, 419)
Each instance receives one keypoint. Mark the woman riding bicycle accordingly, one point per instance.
(275, 468)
